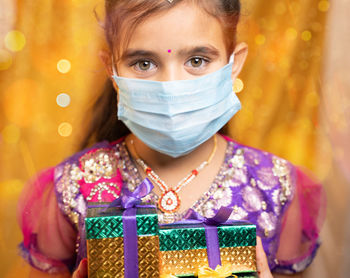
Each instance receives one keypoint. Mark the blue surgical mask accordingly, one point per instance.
(175, 117)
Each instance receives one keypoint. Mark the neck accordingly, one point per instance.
(159, 160)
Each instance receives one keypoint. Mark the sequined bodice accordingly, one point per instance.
(133, 178)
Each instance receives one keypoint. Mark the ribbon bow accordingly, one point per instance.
(211, 231)
(219, 218)
(130, 199)
(219, 272)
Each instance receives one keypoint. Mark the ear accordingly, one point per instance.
(106, 58)
(241, 52)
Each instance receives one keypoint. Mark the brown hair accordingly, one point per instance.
(104, 124)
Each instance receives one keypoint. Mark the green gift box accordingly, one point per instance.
(184, 248)
(105, 241)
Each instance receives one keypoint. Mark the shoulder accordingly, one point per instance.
(89, 175)
(263, 170)
(262, 185)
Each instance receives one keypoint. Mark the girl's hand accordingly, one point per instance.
(81, 271)
(261, 261)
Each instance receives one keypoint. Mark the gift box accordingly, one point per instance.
(187, 247)
(124, 240)
(106, 233)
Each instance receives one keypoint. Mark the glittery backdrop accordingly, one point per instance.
(50, 73)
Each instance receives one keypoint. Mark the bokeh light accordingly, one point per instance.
(306, 35)
(312, 99)
(65, 129)
(63, 66)
(10, 188)
(20, 101)
(63, 100)
(15, 40)
(11, 134)
(257, 92)
(280, 8)
(284, 63)
(316, 26)
(291, 34)
(260, 39)
(303, 65)
(238, 85)
(323, 5)
(5, 59)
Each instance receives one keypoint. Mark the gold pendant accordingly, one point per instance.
(169, 201)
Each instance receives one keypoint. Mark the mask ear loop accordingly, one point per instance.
(113, 67)
(232, 58)
(115, 74)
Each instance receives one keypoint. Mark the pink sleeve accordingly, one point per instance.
(301, 226)
(48, 238)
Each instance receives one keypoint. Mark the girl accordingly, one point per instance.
(171, 66)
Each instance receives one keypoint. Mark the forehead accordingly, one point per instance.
(184, 25)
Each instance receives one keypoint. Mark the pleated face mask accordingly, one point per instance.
(175, 117)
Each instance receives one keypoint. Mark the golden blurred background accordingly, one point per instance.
(294, 90)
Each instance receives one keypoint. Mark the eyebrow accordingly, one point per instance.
(204, 50)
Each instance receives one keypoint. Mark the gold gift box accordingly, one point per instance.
(106, 257)
(241, 258)
(105, 241)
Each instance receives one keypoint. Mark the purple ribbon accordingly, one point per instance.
(130, 201)
(211, 231)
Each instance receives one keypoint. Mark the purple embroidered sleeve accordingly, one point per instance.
(91, 175)
(261, 188)
(53, 207)
(37, 209)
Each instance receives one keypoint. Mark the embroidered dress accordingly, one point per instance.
(286, 205)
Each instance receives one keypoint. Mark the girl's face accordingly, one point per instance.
(182, 43)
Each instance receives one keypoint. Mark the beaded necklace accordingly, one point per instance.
(169, 201)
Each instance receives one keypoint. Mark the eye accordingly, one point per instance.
(198, 62)
(143, 65)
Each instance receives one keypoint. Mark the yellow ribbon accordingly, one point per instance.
(219, 272)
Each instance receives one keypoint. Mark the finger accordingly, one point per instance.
(261, 260)
(83, 271)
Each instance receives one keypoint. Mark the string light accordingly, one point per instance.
(63, 66)
(63, 100)
(65, 129)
